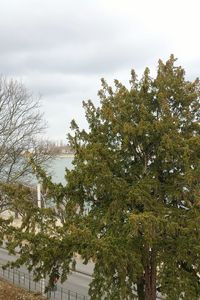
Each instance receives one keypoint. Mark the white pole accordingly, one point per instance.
(42, 281)
(39, 195)
(43, 286)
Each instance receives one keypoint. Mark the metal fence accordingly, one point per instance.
(26, 281)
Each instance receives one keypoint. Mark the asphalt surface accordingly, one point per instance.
(75, 287)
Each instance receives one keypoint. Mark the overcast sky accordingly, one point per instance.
(61, 48)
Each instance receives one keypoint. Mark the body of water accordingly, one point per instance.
(56, 168)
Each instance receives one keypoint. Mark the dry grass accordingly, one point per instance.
(10, 292)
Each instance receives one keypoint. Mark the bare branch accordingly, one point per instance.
(21, 124)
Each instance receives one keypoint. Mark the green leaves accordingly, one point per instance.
(131, 202)
(139, 156)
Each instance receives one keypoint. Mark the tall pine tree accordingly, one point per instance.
(136, 172)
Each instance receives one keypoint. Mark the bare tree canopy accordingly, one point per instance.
(21, 123)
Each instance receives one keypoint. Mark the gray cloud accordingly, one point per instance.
(53, 25)
(96, 57)
(51, 84)
(60, 49)
(65, 38)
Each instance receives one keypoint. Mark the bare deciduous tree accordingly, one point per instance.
(21, 123)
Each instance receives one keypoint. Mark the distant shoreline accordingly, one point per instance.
(67, 155)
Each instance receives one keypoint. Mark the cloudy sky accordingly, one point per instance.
(61, 48)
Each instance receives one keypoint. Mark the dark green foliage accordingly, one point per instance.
(137, 171)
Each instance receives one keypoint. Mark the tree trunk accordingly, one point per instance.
(16, 214)
(140, 288)
(150, 277)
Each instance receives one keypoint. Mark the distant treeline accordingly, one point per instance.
(56, 148)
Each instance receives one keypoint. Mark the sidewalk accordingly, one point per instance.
(80, 266)
(84, 269)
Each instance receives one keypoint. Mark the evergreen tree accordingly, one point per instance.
(132, 200)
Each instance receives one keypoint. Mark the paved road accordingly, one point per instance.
(76, 282)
